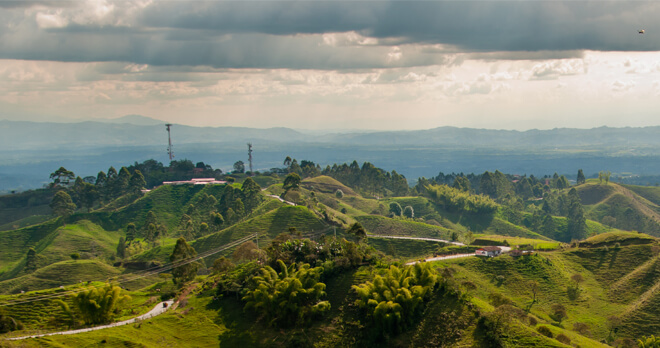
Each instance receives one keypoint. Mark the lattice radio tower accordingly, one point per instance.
(250, 156)
(169, 142)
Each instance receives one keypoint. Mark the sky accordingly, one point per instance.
(381, 65)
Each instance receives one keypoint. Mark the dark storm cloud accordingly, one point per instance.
(277, 34)
(472, 25)
(31, 3)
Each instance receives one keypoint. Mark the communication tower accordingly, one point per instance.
(169, 142)
(250, 156)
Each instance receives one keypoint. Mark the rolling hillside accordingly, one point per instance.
(622, 207)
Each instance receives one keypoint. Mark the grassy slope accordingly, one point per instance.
(84, 237)
(192, 326)
(627, 205)
(400, 227)
(615, 280)
(60, 273)
(268, 225)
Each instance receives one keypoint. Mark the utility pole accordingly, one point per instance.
(250, 157)
(169, 142)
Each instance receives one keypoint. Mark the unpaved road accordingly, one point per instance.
(157, 310)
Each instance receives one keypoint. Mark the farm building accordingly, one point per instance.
(489, 251)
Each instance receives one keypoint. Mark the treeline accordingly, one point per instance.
(155, 172)
(498, 185)
(367, 178)
(87, 192)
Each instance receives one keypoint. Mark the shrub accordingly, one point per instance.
(563, 339)
(532, 321)
(582, 328)
(543, 330)
(339, 194)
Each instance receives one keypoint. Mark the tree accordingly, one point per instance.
(75, 256)
(357, 230)
(339, 194)
(62, 205)
(287, 161)
(252, 193)
(31, 260)
(122, 182)
(291, 181)
(580, 177)
(222, 264)
(533, 286)
(246, 252)
(121, 248)
(239, 208)
(88, 196)
(98, 305)
(409, 212)
(462, 183)
(185, 269)
(576, 222)
(577, 278)
(239, 167)
(558, 312)
(130, 232)
(395, 209)
(101, 180)
(61, 177)
(136, 183)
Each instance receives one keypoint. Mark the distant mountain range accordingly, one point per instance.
(30, 151)
(135, 130)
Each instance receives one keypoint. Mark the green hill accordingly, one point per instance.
(622, 207)
(59, 274)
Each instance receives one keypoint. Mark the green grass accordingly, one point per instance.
(625, 207)
(400, 227)
(621, 237)
(421, 205)
(552, 272)
(60, 273)
(326, 184)
(195, 325)
(268, 225)
(404, 249)
(505, 228)
(513, 241)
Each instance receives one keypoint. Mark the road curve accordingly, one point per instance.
(160, 308)
(505, 249)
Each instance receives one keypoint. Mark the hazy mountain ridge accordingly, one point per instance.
(31, 150)
(32, 135)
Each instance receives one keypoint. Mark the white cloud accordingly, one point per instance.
(552, 70)
(622, 86)
(51, 20)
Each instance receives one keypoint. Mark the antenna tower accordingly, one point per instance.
(169, 142)
(250, 156)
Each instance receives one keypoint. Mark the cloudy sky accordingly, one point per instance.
(333, 64)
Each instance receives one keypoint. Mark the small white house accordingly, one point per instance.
(488, 251)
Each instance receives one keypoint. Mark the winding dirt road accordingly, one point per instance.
(159, 309)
